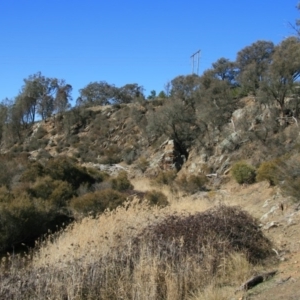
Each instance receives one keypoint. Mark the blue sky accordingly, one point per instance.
(144, 42)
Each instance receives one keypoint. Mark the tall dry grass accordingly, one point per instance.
(112, 257)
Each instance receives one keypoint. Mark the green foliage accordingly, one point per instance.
(97, 202)
(121, 182)
(65, 169)
(99, 176)
(176, 120)
(166, 177)
(193, 183)
(32, 172)
(156, 198)
(243, 173)
(289, 176)
(282, 73)
(162, 95)
(269, 171)
(183, 87)
(21, 220)
(97, 93)
(152, 95)
(252, 62)
(56, 192)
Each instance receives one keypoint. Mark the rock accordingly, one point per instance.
(270, 212)
(271, 225)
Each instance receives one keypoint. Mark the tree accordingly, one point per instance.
(296, 27)
(152, 95)
(40, 95)
(252, 62)
(162, 94)
(97, 93)
(224, 69)
(283, 72)
(215, 101)
(129, 92)
(176, 120)
(183, 87)
(63, 97)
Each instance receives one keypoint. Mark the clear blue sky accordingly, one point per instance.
(129, 41)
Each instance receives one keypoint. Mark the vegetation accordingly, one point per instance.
(159, 256)
(136, 243)
(269, 171)
(243, 173)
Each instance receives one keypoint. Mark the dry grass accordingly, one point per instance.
(97, 258)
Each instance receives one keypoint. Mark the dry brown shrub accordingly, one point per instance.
(116, 256)
(165, 177)
(192, 184)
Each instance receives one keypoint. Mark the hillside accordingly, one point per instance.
(72, 167)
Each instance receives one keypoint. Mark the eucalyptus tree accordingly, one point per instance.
(42, 95)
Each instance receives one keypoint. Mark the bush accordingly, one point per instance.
(97, 202)
(21, 220)
(121, 182)
(142, 164)
(56, 192)
(32, 172)
(65, 169)
(156, 198)
(40, 133)
(166, 177)
(269, 171)
(193, 183)
(129, 155)
(243, 173)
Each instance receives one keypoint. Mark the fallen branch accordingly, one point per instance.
(252, 282)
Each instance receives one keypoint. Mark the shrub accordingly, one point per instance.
(166, 177)
(40, 133)
(97, 202)
(218, 228)
(243, 173)
(57, 192)
(43, 154)
(121, 182)
(142, 164)
(193, 183)
(65, 169)
(20, 221)
(99, 176)
(129, 155)
(32, 172)
(156, 198)
(268, 171)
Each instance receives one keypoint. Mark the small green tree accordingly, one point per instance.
(243, 173)
(152, 95)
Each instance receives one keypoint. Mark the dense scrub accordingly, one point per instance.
(37, 198)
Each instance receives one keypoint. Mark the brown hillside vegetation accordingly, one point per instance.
(118, 249)
(191, 195)
(124, 253)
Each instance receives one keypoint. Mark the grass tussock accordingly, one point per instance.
(140, 252)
